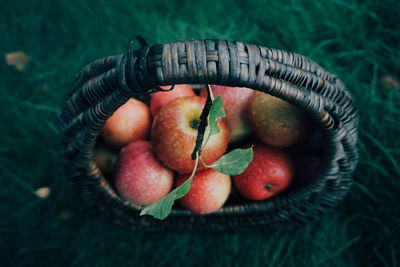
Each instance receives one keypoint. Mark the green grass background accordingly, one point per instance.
(357, 40)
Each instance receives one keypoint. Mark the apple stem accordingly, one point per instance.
(210, 93)
(267, 187)
(194, 124)
(204, 164)
(202, 127)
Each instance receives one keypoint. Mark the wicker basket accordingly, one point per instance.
(107, 83)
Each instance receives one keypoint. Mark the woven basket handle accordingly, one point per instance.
(104, 85)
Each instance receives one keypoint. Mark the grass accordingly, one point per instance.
(357, 40)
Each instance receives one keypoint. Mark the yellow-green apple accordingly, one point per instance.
(139, 177)
(129, 122)
(208, 192)
(235, 100)
(174, 132)
(270, 172)
(276, 122)
(159, 99)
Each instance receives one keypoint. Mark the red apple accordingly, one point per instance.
(276, 122)
(159, 99)
(270, 172)
(235, 101)
(174, 134)
(208, 192)
(130, 122)
(139, 177)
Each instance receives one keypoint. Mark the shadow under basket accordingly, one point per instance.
(106, 84)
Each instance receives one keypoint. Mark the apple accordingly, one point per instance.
(159, 99)
(208, 192)
(174, 132)
(235, 101)
(270, 172)
(139, 177)
(276, 122)
(315, 144)
(307, 166)
(129, 122)
(105, 158)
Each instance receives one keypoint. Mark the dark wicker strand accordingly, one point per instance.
(96, 68)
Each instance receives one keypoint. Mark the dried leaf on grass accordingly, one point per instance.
(17, 59)
(389, 82)
(43, 192)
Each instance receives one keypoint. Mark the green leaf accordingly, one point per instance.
(162, 208)
(216, 112)
(235, 162)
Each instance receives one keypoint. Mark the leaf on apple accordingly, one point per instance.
(234, 162)
(213, 111)
(162, 208)
(202, 127)
(216, 112)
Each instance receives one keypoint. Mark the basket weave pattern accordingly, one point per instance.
(104, 85)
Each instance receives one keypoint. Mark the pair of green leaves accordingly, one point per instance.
(232, 163)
